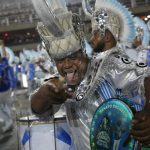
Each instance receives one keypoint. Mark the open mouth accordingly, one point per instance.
(71, 77)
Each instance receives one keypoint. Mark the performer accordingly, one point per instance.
(117, 74)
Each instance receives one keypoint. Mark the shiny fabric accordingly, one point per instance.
(123, 77)
(4, 75)
(56, 29)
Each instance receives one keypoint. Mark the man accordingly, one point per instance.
(141, 121)
(64, 47)
(57, 90)
(119, 70)
(79, 113)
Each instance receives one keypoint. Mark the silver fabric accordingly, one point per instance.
(104, 19)
(59, 47)
(57, 29)
(111, 15)
(45, 12)
(87, 8)
(121, 72)
(139, 54)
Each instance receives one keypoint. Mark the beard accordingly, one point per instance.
(99, 47)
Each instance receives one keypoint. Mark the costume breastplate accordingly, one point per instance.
(111, 74)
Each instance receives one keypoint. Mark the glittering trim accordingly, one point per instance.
(124, 29)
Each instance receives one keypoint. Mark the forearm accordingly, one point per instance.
(50, 93)
(141, 120)
(39, 105)
(147, 108)
(42, 109)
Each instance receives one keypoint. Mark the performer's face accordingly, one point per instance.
(73, 67)
(97, 42)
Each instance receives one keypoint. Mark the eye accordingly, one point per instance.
(59, 60)
(73, 56)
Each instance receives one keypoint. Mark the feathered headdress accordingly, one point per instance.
(111, 15)
(56, 29)
(142, 31)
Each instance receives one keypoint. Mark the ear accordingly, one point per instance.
(97, 35)
(108, 36)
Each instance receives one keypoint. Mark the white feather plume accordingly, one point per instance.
(127, 32)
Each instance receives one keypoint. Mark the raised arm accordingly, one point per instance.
(51, 92)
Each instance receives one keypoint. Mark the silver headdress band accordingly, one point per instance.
(111, 15)
(104, 19)
(59, 47)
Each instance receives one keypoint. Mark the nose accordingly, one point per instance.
(67, 63)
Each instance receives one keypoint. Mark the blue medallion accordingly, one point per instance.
(110, 126)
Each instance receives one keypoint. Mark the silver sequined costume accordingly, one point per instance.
(123, 76)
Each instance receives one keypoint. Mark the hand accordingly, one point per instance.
(52, 92)
(56, 90)
(141, 127)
